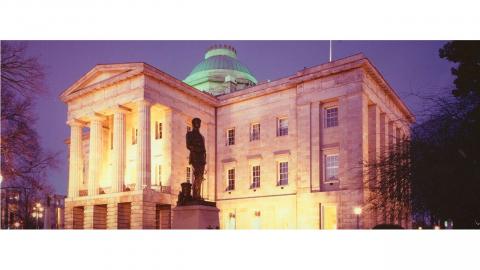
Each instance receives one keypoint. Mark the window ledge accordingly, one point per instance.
(331, 182)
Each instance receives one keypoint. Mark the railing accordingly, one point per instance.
(162, 189)
(165, 189)
(129, 187)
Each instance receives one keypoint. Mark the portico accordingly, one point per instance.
(120, 154)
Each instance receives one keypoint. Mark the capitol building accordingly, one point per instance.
(282, 154)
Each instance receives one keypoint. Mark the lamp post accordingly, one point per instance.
(37, 213)
(357, 211)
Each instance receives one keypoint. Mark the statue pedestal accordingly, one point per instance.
(195, 217)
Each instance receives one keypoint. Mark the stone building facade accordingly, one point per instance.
(283, 154)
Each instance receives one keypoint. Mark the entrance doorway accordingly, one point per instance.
(163, 215)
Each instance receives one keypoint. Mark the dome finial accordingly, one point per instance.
(221, 49)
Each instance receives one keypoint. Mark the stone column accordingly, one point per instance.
(374, 138)
(76, 158)
(167, 146)
(316, 144)
(143, 146)
(119, 149)
(95, 155)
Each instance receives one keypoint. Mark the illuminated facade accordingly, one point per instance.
(283, 154)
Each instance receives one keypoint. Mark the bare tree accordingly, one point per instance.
(21, 73)
(389, 184)
(24, 162)
(435, 172)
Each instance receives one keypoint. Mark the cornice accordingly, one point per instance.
(317, 72)
(305, 75)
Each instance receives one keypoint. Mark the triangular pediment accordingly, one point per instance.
(101, 75)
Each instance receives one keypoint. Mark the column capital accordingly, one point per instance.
(143, 102)
(75, 122)
(120, 109)
(96, 116)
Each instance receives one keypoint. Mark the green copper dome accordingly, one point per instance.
(220, 72)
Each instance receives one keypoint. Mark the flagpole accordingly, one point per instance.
(330, 56)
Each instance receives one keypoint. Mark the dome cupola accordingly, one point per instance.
(220, 72)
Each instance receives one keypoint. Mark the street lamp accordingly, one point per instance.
(357, 211)
(37, 212)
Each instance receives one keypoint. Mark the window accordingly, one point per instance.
(231, 225)
(328, 217)
(188, 174)
(231, 179)
(282, 173)
(331, 117)
(282, 126)
(158, 175)
(158, 130)
(255, 176)
(231, 136)
(111, 139)
(257, 222)
(331, 168)
(254, 132)
(134, 136)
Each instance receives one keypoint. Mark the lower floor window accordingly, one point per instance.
(158, 175)
(328, 217)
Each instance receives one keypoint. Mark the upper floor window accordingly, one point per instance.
(255, 176)
(231, 136)
(283, 173)
(231, 179)
(255, 132)
(158, 130)
(188, 175)
(331, 117)
(282, 126)
(134, 135)
(331, 167)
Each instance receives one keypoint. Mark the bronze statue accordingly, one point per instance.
(198, 156)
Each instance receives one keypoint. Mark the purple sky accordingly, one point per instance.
(408, 66)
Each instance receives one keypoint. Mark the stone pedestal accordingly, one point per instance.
(195, 217)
